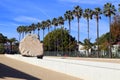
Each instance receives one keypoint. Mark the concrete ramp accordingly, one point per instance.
(86, 70)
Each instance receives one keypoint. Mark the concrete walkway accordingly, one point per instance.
(11, 69)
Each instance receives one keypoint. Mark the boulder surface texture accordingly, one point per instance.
(30, 46)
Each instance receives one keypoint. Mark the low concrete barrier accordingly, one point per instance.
(86, 70)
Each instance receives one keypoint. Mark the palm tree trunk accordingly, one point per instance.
(110, 53)
(88, 34)
(62, 39)
(69, 27)
(43, 34)
(55, 41)
(69, 37)
(78, 29)
(97, 38)
(38, 34)
(23, 35)
(10, 47)
(48, 40)
(19, 36)
(78, 32)
(88, 28)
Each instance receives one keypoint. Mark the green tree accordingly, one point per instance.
(56, 34)
(104, 41)
(3, 40)
(108, 11)
(87, 45)
(78, 14)
(11, 41)
(97, 13)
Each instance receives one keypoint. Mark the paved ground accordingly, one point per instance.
(11, 69)
(108, 60)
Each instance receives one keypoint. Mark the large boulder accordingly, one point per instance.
(31, 46)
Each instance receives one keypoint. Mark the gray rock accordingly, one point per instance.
(31, 46)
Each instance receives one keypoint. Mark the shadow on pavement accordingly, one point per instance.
(6, 71)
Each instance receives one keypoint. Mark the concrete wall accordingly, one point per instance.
(86, 70)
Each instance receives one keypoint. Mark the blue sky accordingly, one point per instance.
(25, 12)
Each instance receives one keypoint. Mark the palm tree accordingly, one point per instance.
(88, 13)
(48, 24)
(38, 28)
(61, 23)
(29, 29)
(33, 27)
(26, 30)
(119, 7)
(108, 11)
(19, 30)
(43, 26)
(69, 16)
(78, 14)
(23, 29)
(97, 13)
(60, 20)
(55, 24)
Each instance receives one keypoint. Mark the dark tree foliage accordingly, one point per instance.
(3, 40)
(115, 28)
(87, 44)
(104, 41)
(61, 38)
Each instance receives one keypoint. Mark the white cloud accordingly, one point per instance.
(80, 1)
(26, 19)
(91, 2)
(8, 24)
(2, 24)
